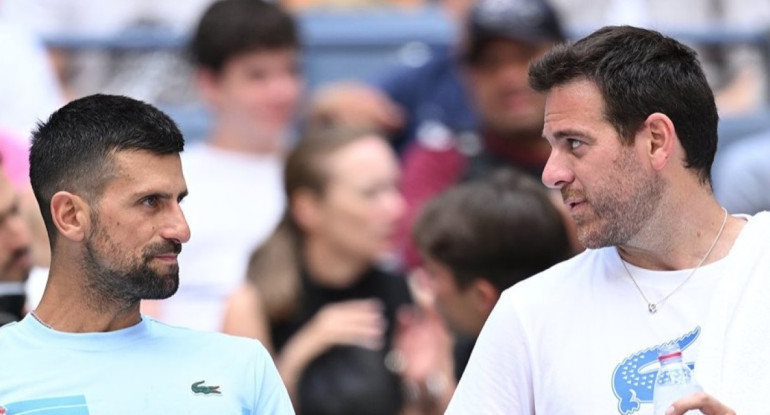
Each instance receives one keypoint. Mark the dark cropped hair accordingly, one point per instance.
(504, 229)
(230, 28)
(640, 72)
(72, 151)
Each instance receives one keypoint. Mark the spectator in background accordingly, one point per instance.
(247, 55)
(15, 165)
(451, 142)
(108, 178)
(406, 99)
(15, 258)
(315, 289)
(503, 37)
(476, 240)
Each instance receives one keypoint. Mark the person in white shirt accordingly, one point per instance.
(633, 128)
(247, 58)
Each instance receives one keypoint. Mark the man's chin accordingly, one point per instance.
(169, 287)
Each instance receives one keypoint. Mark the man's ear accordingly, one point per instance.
(662, 139)
(71, 215)
(486, 295)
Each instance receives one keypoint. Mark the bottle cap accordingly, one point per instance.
(669, 351)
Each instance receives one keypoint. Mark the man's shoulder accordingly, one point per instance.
(761, 219)
(7, 333)
(206, 341)
(566, 276)
(558, 294)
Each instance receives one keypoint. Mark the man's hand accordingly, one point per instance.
(704, 402)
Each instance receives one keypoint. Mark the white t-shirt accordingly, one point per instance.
(578, 338)
(235, 202)
(149, 368)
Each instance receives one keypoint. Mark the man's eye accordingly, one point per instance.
(150, 201)
(573, 144)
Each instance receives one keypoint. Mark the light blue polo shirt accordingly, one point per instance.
(149, 368)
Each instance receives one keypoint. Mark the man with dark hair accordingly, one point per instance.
(15, 262)
(502, 37)
(247, 58)
(481, 237)
(476, 240)
(633, 130)
(107, 175)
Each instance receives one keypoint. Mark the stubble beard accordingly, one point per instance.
(113, 280)
(620, 208)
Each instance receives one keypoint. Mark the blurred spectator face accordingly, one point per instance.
(15, 260)
(361, 205)
(138, 228)
(499, 85)
(459, 307)
(256, 93)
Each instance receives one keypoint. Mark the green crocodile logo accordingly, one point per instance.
(206, 390)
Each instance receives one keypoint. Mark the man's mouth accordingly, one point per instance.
(167, 252)
(167, 257)
(573, 203)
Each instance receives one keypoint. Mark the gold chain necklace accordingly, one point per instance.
(653, 307)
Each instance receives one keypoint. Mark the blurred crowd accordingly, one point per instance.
(362, 228)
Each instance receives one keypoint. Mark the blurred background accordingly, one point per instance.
(136, 47)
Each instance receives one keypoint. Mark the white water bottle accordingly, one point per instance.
(674, 379)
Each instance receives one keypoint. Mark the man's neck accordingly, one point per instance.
(674, 240)
(66, 306)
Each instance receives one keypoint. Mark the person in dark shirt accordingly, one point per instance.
(315, 295)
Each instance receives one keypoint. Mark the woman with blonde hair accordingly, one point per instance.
(315, 295)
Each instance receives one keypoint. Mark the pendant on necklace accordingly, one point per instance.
(652, 308)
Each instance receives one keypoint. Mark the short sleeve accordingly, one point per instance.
(271, 397)
(498, 378)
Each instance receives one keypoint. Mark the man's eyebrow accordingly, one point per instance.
(162, 195)
(568, 133)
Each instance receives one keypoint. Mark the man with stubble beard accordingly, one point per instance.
(107, 175)
(632, 125)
